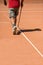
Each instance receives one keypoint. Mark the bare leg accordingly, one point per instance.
(13, 23)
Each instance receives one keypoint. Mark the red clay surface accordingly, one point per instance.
(15, 50)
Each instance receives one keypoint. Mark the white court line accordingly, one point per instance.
(29, 41)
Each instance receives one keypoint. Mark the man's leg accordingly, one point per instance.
(13, 19)
(13, 22)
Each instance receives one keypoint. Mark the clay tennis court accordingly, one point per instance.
(27, 47)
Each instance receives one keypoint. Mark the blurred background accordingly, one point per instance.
(29, 1)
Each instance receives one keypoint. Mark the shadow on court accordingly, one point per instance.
(29, 30)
